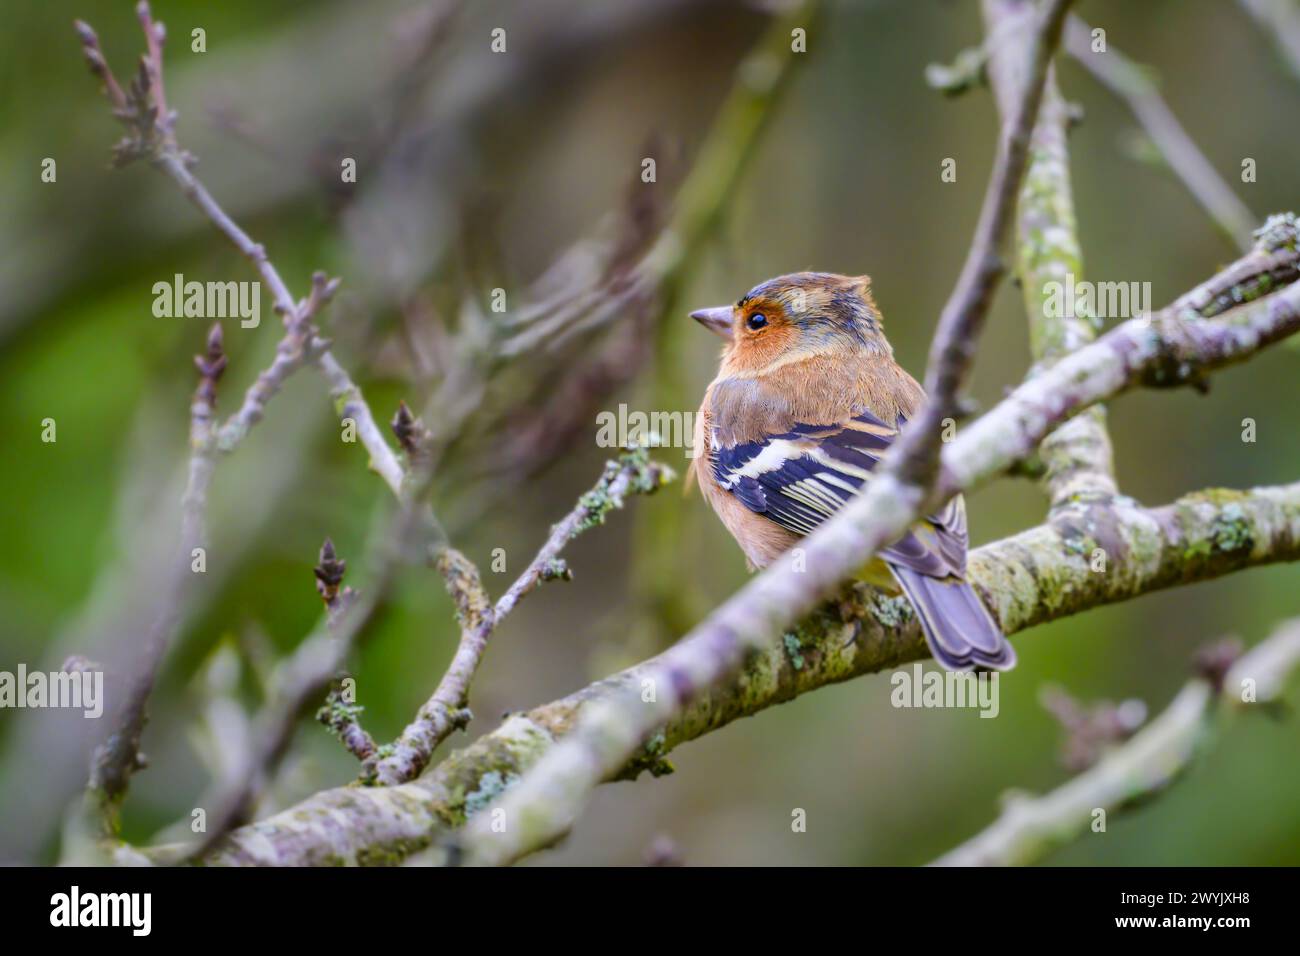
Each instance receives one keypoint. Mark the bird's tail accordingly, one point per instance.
(958, 627)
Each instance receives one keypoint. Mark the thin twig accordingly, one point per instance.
(119, 756)
(301, 344)
(1225, 320)
(314, 664)
(952, 351)
(1132, 84)
(1280, 22)
(340, 713)
(151, 134)
(447, 709)
(1031, 827)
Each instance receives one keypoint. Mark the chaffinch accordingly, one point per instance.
(807, 400)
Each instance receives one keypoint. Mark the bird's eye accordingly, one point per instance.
(756, 321)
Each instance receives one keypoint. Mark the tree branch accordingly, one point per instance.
(1246, 307)
(1031, 827)
(118, 756)
(1171, 348)
(302, 342)
(1040, 575)
(551, 796)
(151, 134)
(952, 351)
(1077, 457)
(447, 709)
(1132, 84)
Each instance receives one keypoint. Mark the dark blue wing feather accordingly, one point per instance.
(800, 477)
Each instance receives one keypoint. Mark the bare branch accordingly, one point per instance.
(1132, 84)
(300, 345)
(118, 756)
(340, 713)
(1280, 22)
(1031, 827)
(952, 351)
(1225, 320)
(143, 110)
(447, 709)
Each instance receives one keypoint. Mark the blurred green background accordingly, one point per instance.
(845, 179)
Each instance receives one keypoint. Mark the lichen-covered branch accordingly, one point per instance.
(1165, 351)
(305, 675)
(1077, 457)
(1040, 575)
(1174, 347)
(343, 718)
(1134, 86)
(1248, 306)
(1031, 827)
(447, 708)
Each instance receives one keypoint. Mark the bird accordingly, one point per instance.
(807, 400)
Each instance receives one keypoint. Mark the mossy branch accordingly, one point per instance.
(1040, 575)
(1077, 457)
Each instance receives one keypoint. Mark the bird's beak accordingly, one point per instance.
(717, 321)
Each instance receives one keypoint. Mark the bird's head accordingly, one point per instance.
(796, 316)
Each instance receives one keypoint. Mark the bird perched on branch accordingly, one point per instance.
(807, 401)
